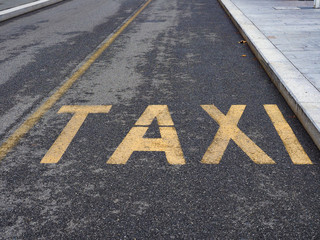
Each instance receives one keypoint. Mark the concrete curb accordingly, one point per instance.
(300, 94)
(25, 8)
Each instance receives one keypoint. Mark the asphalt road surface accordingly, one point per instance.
(131, 119)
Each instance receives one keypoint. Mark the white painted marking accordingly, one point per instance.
(14, 9)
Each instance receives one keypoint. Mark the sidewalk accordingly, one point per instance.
(13, 8)
(285, 37)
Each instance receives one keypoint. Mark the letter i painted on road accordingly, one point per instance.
(289, 139)
(135, 140)
(63, 141)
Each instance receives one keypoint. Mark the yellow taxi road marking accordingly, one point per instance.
(63, 141)
(135, 141)
(290, 141)
(160, 112)
(85, 109)
(13, 140)
(169, 141)
(229, 130)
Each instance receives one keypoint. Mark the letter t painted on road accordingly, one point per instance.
(63, 141)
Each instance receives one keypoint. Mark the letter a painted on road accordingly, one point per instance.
(135, 141)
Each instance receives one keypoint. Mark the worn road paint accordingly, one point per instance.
(13, 140)
(134, 141)
(229, 130)
(289, 139)
(160, 112)
(63, 141)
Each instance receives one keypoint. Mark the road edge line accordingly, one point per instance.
(25, 8)
(281, 71)
(25, 127)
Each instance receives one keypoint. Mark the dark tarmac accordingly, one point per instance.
(177, 54)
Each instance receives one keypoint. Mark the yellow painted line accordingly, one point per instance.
(63, 141)
(135, 140)
(13, 140)
(289, 139)
(160, 112)
(229, 130)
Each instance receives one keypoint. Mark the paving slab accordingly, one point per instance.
(285, 37)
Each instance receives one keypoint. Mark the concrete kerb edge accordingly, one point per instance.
(299, 110)
(19, 12)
